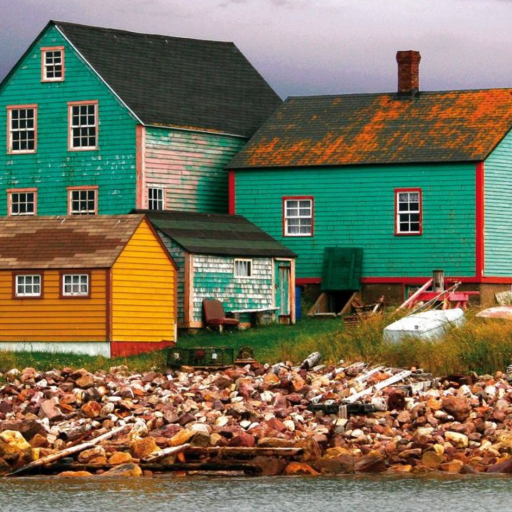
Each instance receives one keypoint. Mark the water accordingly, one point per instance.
(354, 494)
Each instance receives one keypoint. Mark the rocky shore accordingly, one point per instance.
(254, 419)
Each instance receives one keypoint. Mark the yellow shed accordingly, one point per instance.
(98, 285)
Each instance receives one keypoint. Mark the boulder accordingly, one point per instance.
(503, 466)
(300, 468)
(374, 462)
(74, 474)
(431, 459)
(456, 439)
(92, 409)
(143, 447)
(270, 466)
(124, 470)
(12, 443)
(457, 407)
(50, 410)
(343, 464)
(455, 466)
(88, 456)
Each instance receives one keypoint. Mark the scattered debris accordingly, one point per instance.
(255, 419)
(504, 298)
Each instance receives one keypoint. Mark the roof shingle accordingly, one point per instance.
(172, 81)
(64, 242)
(360, 129)
(217, 234)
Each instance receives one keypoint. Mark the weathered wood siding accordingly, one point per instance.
(52, 318)
(214, 279)
(143, 291)
(191, 168)
(354, 207)
(498, 210)
(53, 168)
(178, 255)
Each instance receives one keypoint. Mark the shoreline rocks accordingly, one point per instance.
(461, 425)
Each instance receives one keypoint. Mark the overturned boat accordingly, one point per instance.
(429, 325)
(498, 312)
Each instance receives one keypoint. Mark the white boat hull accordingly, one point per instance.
(430, 325)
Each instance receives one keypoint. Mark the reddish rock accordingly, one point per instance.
(312, 450)
(50, 410)
(270, 466)
(74, 474)
(459, 408)
(143, 447)
(91, 409)
(374, 462)
(85, 381)
(124, 470)
(243, 440)
(503, 466)
(343, 464)
(300, 468)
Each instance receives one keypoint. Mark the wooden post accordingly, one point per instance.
(438, 284)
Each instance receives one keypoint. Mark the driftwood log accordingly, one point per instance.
(66, 452)
(165, 452)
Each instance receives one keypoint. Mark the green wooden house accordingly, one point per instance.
(415, 180)
(104, 121)
(226, 257)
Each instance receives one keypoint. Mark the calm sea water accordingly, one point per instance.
(354, 494)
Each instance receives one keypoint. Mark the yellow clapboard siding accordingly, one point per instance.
(143, 290)
(53, 318)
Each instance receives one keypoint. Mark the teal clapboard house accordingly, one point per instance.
(416, 180)
(104, 121)
(226, 257)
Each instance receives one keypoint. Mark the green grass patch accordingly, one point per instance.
(480, 346)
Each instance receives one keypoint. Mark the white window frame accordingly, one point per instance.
(11, 130)
(161, 190)
(404, 216)
(80, 282)
(50, 64)
(297, 216)
(82, 127)
(249, 266)
(21, 281)
(81, 191)
(26, 202)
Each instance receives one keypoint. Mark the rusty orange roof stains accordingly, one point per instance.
(360, 129)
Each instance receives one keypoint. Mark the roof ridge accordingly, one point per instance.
(420, 93)
(140, 34)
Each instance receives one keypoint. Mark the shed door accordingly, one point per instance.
(282, 288)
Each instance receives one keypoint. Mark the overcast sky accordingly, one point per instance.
(306, 46)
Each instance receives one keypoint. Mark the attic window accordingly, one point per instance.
(52, 64)
(83, 125)
(408, 211)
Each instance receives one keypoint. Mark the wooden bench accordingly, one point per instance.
(214, 315)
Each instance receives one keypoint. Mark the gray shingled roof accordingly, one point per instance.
(368, 129)
(220, 234)
(173, 81)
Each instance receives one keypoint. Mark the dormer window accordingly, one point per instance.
(52, 64)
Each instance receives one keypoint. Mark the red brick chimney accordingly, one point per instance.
(408, 72)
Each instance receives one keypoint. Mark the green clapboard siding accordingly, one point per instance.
(354, 207)
(498, 210)
(214, 279)
(53, 167)
(191, 166)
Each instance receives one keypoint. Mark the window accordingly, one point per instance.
(75, 285)
(28, 285)
(52, 64)
(298, 216)
(243, 268)
(156, 198)
(22, 128)
(83, 201)
(83, 126)
(408, 212)
(22, 201)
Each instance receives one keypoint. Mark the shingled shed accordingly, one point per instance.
(90, 285)
(419, 180)
(226, 257)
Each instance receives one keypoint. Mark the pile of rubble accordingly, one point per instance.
(254, 419)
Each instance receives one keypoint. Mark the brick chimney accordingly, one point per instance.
(408, 72)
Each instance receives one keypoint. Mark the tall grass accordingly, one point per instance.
(479, 345)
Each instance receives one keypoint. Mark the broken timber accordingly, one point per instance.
(68, 451)
(381, 385)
